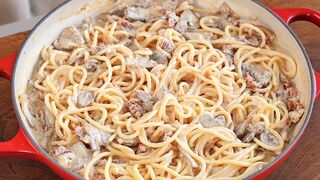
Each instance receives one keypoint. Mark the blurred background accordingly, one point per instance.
(21, 15)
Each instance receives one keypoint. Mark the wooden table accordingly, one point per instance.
(303, 163)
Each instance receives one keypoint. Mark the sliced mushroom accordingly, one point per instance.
(251, 40)
(159, 57)
(68, 159)
(172, 18)
(80, 150)
(146, 98)
(136, 108)
(270, 35)
(69, 38)
(167, 45)
(241, 128)
(137, 14)
(124, 25)
(187, 19)
(92, 136)
(208, 120)
(140, 103)
(256, 76)
(269, 139)
(80, 132)
(253, 130)
(84, 99)
(142, 61)
(97, 137)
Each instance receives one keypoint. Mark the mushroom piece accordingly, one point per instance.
(141, 61)
(220, 23)
(124, 25)
(269, 139)
(252, 40)
(159, 57)
(93, 136)
(137, 14)
(270, 35)
(140, 103)
(172, 18)
(84, 99)
(80, 150)
(69, 38)
(187, 19)
(136, 108)
(68, 159)
(146, 98)
(256, 76)
(167, 45)
(241, 128)
(208, 120)
(253, 130)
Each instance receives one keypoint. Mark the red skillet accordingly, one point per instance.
(23, 144)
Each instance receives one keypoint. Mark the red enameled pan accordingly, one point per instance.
(18, 68)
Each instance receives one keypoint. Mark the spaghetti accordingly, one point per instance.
(183, 94)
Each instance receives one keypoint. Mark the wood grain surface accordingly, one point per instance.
(303, 163)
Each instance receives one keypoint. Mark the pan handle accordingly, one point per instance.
(19, 146)
(291, 15)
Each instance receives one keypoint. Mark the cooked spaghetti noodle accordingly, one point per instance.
(182, 94)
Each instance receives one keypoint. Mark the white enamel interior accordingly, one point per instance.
(75, 11)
